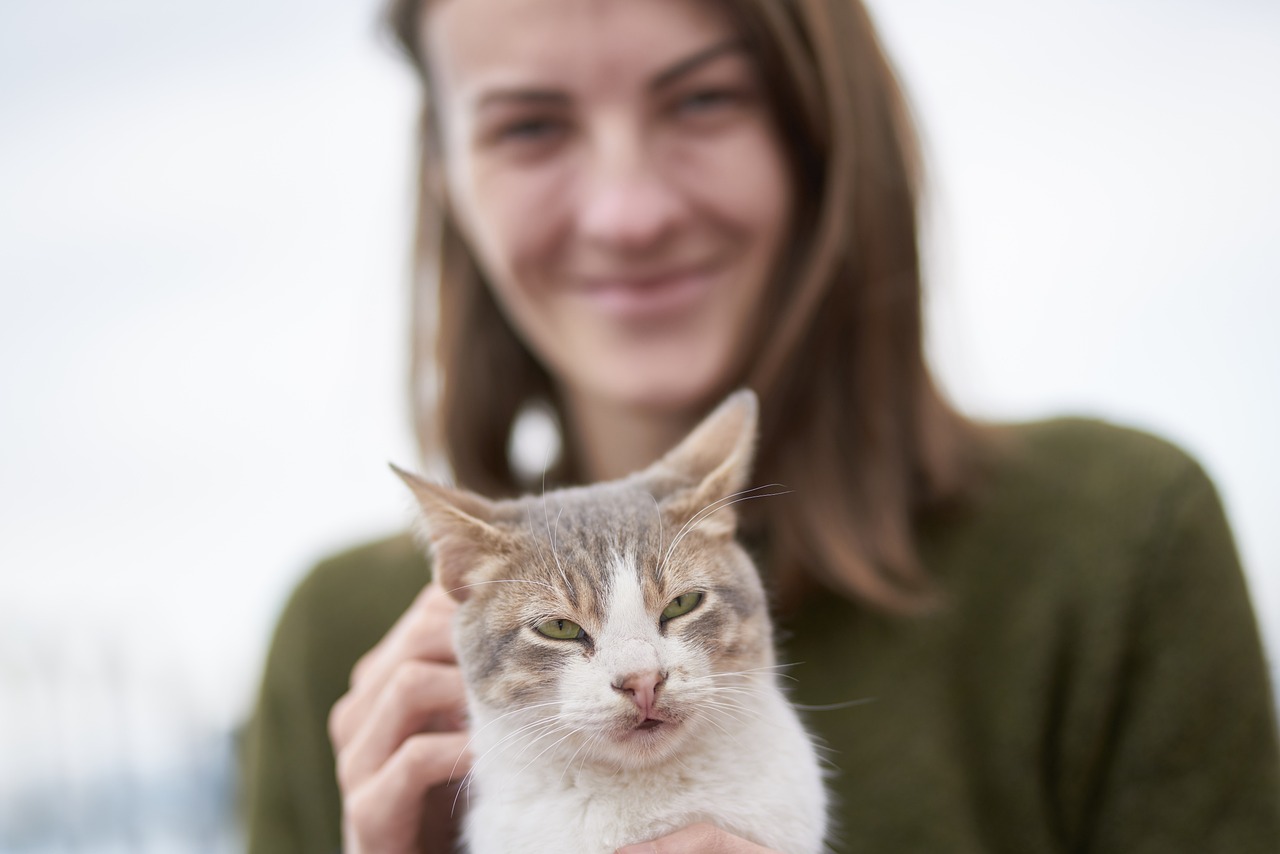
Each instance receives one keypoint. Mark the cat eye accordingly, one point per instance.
(561, 629)
(681, 605)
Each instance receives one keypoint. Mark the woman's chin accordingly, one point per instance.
(680, 396)
(668, 381)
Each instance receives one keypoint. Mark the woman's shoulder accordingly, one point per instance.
(1090, 503)
(1067, 443)
(1093, 537)
(1090, 465)
(386, 564)
(348, 600)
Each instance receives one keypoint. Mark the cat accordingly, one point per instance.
(618, 659)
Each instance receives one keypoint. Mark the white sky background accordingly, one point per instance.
(203, 252)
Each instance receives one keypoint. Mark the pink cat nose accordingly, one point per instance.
(642, 689)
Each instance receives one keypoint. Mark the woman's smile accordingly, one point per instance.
(650, 297)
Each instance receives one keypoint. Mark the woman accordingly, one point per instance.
(633, 208)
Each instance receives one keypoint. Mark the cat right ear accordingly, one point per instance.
(458, 526)
(715, 461)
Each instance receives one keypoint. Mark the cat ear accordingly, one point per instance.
(714, 462)
(458, 526)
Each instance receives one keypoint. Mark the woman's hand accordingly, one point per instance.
(398, 733)
(697, 839)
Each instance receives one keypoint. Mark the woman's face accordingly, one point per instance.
(615, 168)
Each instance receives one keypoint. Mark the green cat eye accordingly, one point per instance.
(561, 629)
(681, 605)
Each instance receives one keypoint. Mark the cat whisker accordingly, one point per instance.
(596, 738)
(657, 509)
(733, 498)
(736, 691)
(720, 504)
(545, 467)
(546, 522)
(547, 725)
(544, 751)
(568, 765)
(585, 751)
(533, 535)
(520, 730)
(481, 759)
(736, 709)
(736, 713)
(834, 707)
(761, 669)
(693, 520)
(551, 536)
(545, 732)
(555, 532)
(711, 721)
(776, 670)
(501, 581)
(721, 702)
(496, 719)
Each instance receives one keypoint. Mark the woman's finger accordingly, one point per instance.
(422, 634)
(697, 839)
(386, 812)
(423, 631)
(421, 696)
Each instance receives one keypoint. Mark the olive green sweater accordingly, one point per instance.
(1093, 683)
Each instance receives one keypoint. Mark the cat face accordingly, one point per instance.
(606, 634)
(614, 621)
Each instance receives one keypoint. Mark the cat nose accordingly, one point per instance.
(642, 689)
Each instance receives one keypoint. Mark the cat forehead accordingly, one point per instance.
(614, 507)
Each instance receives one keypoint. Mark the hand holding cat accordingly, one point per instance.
(697, 839)
(398, 732)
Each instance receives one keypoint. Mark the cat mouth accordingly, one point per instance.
(652, 727)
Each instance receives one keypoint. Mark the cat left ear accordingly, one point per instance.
(458, 525)
(716, 459)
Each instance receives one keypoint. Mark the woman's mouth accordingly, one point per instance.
(650, 297)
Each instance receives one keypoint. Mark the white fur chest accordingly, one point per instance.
(755, 778)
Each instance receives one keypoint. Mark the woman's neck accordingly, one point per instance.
(610, 442)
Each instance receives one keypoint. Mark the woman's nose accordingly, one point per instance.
(627, 202)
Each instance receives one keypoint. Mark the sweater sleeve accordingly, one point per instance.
(340, 610)
(1194, 764)
(291, 799)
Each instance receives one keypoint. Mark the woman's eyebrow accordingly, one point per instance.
(517, 95)
(688, 64)
(555, 97)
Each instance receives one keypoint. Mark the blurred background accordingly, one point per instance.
(204, 240)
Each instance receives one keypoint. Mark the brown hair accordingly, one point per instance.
(851, 418)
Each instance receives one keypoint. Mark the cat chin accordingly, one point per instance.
(633, 746)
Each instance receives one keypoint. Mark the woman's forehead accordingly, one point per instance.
(475, 45)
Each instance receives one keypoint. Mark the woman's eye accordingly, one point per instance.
(706, 101)
(529, 130)
(561, 629)
(681, 605)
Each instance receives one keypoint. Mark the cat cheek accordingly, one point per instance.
(744, 598)
(705, 629)
(510, 671)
